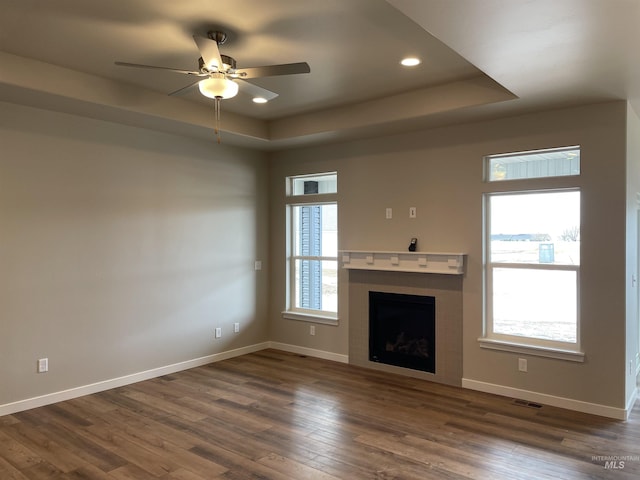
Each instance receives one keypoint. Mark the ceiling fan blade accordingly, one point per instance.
(209, 52)
(255, 91)
(153, 67)
(184, 89)
(273, 70)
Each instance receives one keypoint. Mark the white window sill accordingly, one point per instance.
(537, 350)
(310, 317)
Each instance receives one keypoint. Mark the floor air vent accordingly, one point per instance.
(524, 403)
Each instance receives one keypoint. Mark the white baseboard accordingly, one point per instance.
(310, 352)
(585, 407)
(554, 401)
(55, 397)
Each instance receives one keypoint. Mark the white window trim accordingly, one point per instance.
(310, 316)
(527, 349)
(513, 343)
(291, 312)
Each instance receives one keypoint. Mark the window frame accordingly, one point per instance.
(569, 149)
(292, 312)
(515, 343)
(491, 266)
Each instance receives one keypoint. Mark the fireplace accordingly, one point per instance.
(447, 292)
(402, 330)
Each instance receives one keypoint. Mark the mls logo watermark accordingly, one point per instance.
(614, 465)
(615, 462)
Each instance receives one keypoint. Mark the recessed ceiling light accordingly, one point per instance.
(259, 100)
(410, 61)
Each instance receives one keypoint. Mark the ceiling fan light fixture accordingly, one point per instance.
(217, 86)
(260, 100)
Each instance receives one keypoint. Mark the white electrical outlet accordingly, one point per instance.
(236, 327)
(43, 365)
(389, 213)
(312, 330)
(257, 265)
(522, 364)
(218, 332)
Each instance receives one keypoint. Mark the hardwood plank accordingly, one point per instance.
(9, 471)
(44, 445)
(88, 472)
(16, 454)
(357, 460)
(432, 456)
(8, 420)
(240, 467)
(86, 449)
(42, 471)
(120, 443)
(294, 469)
(153, 441)
(132, 472)
(167, 406)
(183, 474)
(163, 440)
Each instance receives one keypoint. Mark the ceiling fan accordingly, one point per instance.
(219, 78)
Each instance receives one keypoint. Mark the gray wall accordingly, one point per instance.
(439, 171)
(121, 249)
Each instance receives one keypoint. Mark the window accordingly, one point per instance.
(532, 252)
(559, 162)
(312, 252)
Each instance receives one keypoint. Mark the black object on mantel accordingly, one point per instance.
(413, 244)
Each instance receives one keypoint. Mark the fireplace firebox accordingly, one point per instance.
(402, 330)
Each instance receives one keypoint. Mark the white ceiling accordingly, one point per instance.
(481, 58)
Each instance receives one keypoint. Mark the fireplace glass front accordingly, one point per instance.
(402, 330)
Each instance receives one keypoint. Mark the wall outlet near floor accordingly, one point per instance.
(236, 327)
(388, 213)
(218, 332)
(522, 364)
(312, 330)
(43, 365)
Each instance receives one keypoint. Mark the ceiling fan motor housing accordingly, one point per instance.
(228, 63)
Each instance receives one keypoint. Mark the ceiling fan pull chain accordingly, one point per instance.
(216, 111)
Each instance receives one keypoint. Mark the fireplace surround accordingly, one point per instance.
(447, 292)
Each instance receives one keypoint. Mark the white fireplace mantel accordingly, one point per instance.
(421, 262)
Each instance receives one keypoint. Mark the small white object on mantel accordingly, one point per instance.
(421, 262)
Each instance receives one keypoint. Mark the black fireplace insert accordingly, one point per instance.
(402, 330)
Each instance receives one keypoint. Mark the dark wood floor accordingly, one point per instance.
(275, 415)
